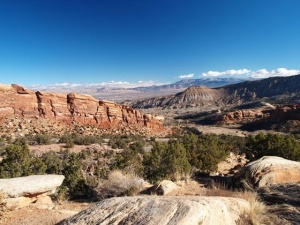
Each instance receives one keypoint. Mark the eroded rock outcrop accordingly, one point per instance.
(22, 191)
(16, 101)
(263, 114)
(185, 210)
(267, 171)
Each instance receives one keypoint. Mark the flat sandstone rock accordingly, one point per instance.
(30, 185)
(184, 210)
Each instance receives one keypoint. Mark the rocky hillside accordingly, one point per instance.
(193, 96)
(272, 88)
(275, 88)
(33, 108)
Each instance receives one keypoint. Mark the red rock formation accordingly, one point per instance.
(72, 108)
(241, 116)
(15, 100)
(52, 105)
(280, 113)
(286, 112)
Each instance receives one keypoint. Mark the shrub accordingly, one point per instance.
(166, 161)
(131, 159)
(68, 140)
(286, 146)
(204, 152)
(120, 184)
(74, 185)
(54, 165)
(42, 139)
(16, 161)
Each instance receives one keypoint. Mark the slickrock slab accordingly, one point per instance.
(269, 170)
(184, 210)
(30, 186)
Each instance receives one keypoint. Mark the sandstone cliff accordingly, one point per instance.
(71, 109)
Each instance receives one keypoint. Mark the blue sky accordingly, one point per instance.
(154, 41)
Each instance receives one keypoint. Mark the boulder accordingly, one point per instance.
(44, 202)
(163, 188)
(30, 186)
(267, 171)
(184, 210)
(23, 191)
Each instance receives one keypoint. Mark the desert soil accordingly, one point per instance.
(33, 216)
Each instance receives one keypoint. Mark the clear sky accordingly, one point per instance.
(93, 41)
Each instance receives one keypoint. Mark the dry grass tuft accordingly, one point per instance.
(120, 184)
(258, 214)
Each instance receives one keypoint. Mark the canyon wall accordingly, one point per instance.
(18, 102)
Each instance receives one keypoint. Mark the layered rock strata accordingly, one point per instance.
(187, 210)
(18, 102)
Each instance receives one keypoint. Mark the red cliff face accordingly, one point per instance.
(15, 101)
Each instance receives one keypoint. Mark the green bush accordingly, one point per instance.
(54, 164)
(131, 159)
(68, 140)
(43, 139)
(166, 161)
(286, 146)
(16, 161)
(204, 152)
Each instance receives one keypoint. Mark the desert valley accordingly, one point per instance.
(232, 150)
(149, 112)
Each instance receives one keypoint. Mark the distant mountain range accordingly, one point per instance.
(114, 91)
(272, 89)
(183, 84)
